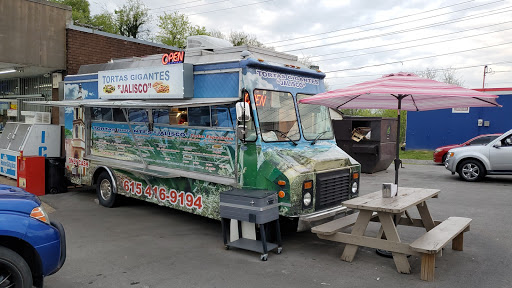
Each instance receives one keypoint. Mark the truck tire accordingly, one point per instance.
(105, 190)
(471, 170)
(14, 270)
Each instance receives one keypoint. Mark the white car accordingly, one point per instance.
(472, 163)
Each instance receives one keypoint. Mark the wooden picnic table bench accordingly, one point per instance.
(434, 240)
(372, 205)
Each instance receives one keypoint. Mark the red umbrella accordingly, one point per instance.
(402, 91)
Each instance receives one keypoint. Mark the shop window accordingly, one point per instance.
(138, 115)
(118, 115)
(161, 116)
(199, 116)
(223, 116)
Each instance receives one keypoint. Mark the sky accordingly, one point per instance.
(360, 40)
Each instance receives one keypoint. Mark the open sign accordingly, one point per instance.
(173, 57)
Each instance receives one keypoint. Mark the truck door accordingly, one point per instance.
(501, 157)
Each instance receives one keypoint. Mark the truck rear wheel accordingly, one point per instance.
(105, 190)
(14, 270)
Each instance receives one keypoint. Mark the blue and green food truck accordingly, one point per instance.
(177, 130)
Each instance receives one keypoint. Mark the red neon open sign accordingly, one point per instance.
(173, 57)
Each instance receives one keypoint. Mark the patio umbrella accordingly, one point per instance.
(402, 91)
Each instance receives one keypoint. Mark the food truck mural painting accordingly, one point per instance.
(75, 127)
(137, 146)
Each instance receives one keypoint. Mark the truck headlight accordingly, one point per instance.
(307, 199)
(39, 214)
(354, 187)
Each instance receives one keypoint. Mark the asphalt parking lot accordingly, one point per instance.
(144, 245)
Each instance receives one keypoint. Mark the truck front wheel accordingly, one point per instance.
(105, 190)
(14, 270)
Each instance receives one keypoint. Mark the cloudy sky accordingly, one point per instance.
(356, 41)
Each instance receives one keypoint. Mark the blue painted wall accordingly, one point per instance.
(431, 129)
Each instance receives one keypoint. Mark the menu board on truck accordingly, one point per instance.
(163, 82)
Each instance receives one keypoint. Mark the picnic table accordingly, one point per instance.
(391, 212)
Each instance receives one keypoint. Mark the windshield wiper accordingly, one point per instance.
(318, 137)
(284, 135)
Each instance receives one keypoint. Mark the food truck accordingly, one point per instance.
(180, 128)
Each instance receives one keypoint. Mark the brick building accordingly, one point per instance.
(40, 45)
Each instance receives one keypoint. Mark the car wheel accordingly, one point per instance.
(105, 190)
(471, 170)
(444, 158)
(14, 270)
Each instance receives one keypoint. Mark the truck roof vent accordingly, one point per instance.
(203, 42)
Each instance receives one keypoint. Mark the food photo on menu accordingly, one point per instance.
(161, 87)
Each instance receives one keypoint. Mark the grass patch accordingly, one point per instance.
(417, 154)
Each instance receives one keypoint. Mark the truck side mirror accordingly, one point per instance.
(243, 112)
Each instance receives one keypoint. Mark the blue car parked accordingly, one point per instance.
(31, 246)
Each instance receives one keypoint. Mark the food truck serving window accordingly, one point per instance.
(101, 114)
(277, 116)
(161, 116)
(315, 120)
(138, 115)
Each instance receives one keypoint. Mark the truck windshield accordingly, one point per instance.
(276, 114)
(315, 120)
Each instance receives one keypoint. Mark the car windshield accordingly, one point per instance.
(276, 115)
(482, 140)
(315, 120)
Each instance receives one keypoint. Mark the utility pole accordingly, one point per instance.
(487, 70)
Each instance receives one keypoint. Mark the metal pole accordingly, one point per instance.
(397, 159)
(485, 72)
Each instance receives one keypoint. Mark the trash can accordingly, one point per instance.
(55, 179)
(369, 140)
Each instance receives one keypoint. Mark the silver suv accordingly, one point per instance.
(472, 163)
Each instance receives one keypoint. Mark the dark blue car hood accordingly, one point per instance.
(17, 200)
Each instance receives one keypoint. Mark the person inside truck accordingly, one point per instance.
(183, 119)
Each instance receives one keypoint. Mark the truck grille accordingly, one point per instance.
(332, 188)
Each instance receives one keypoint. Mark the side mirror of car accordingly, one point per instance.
(497, 144)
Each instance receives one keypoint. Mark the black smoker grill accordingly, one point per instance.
(375, 152)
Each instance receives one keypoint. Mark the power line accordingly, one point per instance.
(420, 58)
(404, 31)
(392, 25)
(414, 40)
(439, 69)
(200, 5)
(250, 4)
(174, 5)
(400, 48)
(367, 23)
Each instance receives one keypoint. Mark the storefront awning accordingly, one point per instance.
(138, 103)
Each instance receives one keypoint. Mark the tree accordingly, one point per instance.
(106, 22)
(81, 13)
(242, 38)
(131, 18)
(449, 76)
(175, 28)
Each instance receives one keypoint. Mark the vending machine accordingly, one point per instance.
(30, 140)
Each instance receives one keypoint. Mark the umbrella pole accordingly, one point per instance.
(397, 159)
